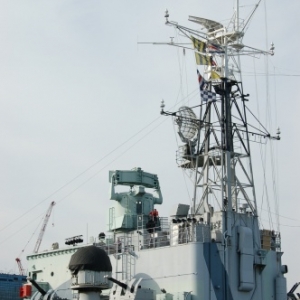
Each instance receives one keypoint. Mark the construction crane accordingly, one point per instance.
(39, 240)
(21, 269)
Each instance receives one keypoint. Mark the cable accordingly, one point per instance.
(23, 227)
(32, 235)
(80, 174)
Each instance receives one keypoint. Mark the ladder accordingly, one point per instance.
(128, 260)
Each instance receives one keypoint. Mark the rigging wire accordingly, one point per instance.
(32, 235)
(55, 192)
(246, 26)
(187, 100)
(80, 174)
(284, 217)
(95, 174)
(21, 228)
(257, 119)
(276, 148)
(97, 162)
(274, 75)
(269, 118)
(180, 68)
(263, 160)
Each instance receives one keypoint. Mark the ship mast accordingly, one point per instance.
(218, 150)
(216, 144)
(237, 15)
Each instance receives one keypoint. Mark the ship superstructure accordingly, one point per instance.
(213, 249)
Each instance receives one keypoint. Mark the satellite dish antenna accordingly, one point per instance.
(187, 123)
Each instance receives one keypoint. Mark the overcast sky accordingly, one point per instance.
(80, 97)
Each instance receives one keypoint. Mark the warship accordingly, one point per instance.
(213, 248)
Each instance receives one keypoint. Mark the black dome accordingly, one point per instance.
(90, 258)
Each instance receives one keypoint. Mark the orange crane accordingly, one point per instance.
(39, 240)
(21, 269)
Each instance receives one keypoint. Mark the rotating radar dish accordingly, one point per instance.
(187, 123)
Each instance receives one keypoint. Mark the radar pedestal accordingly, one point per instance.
(127, 206)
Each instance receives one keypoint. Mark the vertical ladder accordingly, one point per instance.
(128, 261)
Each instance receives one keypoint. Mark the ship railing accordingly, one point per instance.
(165, 233)
(185, 159)
(183, 232)
(270, 240)
(164, 223)
(154, 236)
(172, 234)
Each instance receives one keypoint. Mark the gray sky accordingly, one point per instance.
(78, 94)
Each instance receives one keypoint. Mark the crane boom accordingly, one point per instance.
(21, 269)
(39, 240)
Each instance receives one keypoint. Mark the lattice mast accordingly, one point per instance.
(216, 144)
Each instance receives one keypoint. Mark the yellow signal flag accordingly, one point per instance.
(200, 46)
(214, 75)
(203, 59)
